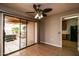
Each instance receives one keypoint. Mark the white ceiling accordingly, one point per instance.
(57, 7)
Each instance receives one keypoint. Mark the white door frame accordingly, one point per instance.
(61, 19)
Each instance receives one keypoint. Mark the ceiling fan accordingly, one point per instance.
(40, 13)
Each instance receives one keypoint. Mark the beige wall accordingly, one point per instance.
(51, 29)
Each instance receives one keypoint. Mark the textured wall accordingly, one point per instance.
(51, 28)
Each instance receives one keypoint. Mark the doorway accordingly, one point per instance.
(18, 34)
(70, 32)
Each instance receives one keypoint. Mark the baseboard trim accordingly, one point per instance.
(50, 44)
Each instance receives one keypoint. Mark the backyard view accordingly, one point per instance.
(15, 33)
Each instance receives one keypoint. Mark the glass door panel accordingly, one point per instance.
(30, 33)
(12, 34)
(18, 34)
(23, 33)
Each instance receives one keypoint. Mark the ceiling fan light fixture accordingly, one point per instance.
(40, 13)
(37, 16)
(41, 16)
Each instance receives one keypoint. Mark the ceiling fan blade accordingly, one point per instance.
(30, 12)
(47, 10)
(35, 6)
(45, 15)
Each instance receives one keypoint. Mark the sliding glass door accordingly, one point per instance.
(30, 33)
(23, 36)
(18, 34)
(12, 34)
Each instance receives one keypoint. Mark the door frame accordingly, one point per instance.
(61, 19)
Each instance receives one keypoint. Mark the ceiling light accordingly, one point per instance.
(70, 17)
(37, 16)
(41, 16)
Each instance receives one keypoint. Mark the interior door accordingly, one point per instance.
(30, 33)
